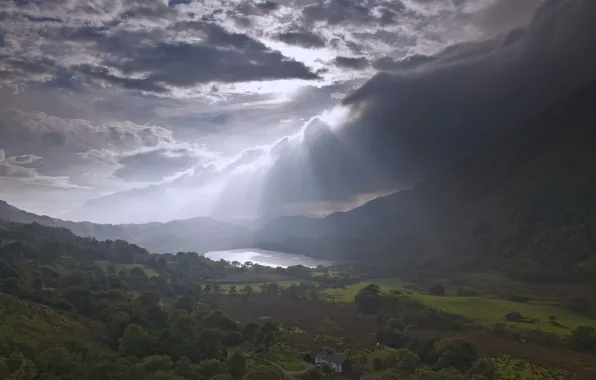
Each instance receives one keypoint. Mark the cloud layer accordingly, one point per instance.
(208, 107)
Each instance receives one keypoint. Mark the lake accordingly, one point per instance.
(266, 258)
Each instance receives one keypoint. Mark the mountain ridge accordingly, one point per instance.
(201, 234)
(496, 209)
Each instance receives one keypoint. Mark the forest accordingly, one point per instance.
(79, 308)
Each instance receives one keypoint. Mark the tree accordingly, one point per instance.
(185, 303)
(444, 374)
(237, 365)
(232, 291)
(249, 332)
(369, 299)
(266, 334)
(155, 363)
(222, 376)
(148, 300)
(407, 360)
(185, 368)
(247, 289)
(135, 341)
(582, 338)
(455, 353)
(25, 371)
(209, 368)
(274, 288)
(377, 363)
(262, 373)
(482, 370)
(57, 360)
(246, 293)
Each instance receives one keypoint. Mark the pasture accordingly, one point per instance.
(481, 310)
(488, 311)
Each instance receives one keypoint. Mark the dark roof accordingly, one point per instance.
(367, 377)
(332, 358)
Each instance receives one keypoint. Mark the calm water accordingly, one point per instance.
(266, 258)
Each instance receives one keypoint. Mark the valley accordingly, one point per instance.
(480, 264)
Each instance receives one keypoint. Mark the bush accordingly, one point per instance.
(407, 360)
(455, 353)
(582, 338)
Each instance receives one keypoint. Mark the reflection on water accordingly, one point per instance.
(266, 258)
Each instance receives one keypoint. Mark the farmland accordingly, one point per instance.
(480, 310)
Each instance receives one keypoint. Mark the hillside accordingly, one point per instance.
(526, 205)
(198, 234)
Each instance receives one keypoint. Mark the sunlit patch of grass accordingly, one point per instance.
(348, 293)
(481, 311)
(510, 368)
(488, 311)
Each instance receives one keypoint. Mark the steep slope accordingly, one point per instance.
(526, 205)
(198, 234)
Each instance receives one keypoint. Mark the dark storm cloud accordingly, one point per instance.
(252, 8)
(355, 63)
(170, 51)
(221, 57)
(339, 11)
(435, 110)
(301, 38)
(404, 64)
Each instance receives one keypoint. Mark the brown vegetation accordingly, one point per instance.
(338, 320)
(489, 345)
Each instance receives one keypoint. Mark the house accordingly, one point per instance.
(367, 377)
(335, 361)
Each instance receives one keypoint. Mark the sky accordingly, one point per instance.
(122, 111)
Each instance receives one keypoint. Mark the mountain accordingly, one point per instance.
(526, 206)
(197, 234)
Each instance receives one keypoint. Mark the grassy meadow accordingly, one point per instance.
(482, 311)
(488, 311)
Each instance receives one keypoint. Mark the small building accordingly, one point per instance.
(334, 361)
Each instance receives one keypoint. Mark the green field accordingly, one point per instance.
(348, 293)
(482, 311)
(487, 311)
(255, 285)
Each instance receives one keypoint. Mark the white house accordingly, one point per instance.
(334, 361)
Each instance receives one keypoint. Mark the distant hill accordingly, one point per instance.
(526, 205)
(197, 234)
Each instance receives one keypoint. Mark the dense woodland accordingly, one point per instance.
(79, 308)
